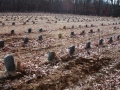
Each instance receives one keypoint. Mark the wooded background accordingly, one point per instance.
(83, 7)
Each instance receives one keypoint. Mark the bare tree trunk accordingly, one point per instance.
(100, 7)
(1, 5)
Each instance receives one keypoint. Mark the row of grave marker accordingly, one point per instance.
(26, 39)
(39, 37)
(13, 23)
(9, 60)
(29, 31)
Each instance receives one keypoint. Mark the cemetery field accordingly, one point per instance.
(60, 52)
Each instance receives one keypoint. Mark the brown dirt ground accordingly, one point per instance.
(88, 69)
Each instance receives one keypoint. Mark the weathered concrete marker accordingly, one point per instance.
(71, 50)
(40, 30)
(88, 45)
(9, 63)
(40, 37)
(101, 42)
(51, 56)
(12, 32)
(25, 39)
(29, 30)
(1, 43)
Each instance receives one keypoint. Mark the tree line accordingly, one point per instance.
(83, 7)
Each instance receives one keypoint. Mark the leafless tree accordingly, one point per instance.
(88, 7)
